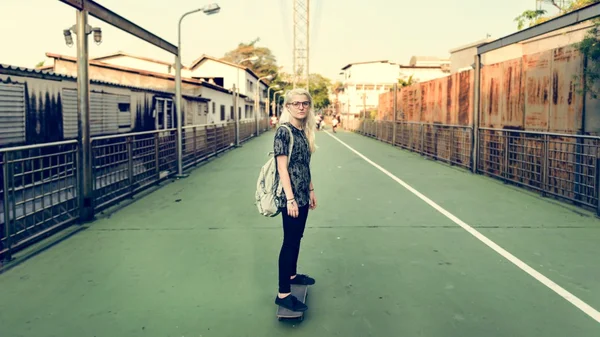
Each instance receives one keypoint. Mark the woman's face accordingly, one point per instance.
(299, 106)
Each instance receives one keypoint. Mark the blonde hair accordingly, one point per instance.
(309, 122)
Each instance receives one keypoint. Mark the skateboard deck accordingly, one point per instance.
(300, 291)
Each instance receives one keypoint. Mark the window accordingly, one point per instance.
(164, 113)
(124, 118)
(231, 115)
(222, 112)
(12, 113)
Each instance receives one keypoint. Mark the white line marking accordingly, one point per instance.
(586, 308)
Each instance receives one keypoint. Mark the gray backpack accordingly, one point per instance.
(266, 191)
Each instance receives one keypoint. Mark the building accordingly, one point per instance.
(203, 102)
(228, 75)
(363, 82)
(424, 68)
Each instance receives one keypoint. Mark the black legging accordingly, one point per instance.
(293, 230)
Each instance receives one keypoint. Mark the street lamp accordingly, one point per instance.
(208, 10)
(88, 29)
(276, 104)
(257, 100)
(276, 86)
(237, 98)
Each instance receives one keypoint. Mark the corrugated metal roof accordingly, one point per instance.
(15, 70)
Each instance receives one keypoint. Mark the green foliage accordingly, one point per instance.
(318, 87)
(39, 64)
(267, 65)
(589, 47)
(405, 83)
(532, 17)
(264, 66)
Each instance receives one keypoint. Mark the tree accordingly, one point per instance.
(588, 47)
(319, 90)
(405, 83)
(267, 65)
(264, 66)
(532, 17)
(318, 87)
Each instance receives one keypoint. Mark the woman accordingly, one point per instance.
(299, 194)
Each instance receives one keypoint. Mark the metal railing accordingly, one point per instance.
(39, 191)
(449, 143)
(562, 165)
(39, 184)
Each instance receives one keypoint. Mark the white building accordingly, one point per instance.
(228, 75)
(365, 81)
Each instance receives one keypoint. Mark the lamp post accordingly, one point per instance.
(257, 100)
(276, 106)
(237, 98)
(208, 10)
(276, 86)
(85, 178)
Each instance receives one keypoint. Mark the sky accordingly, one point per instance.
(341, 31)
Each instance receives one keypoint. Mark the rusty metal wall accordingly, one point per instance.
(537, 92)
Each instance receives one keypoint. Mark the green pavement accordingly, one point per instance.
(195, 259)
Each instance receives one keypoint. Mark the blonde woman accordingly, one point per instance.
(299, 193)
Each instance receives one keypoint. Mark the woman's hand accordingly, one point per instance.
(313, 200)
(292, 208)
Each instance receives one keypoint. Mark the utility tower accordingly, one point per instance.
(301, 43)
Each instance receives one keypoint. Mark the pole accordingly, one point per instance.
(83, 104)
(395, 118)
(476, 99)
(256, 106)
(179, 100)
(237, 114)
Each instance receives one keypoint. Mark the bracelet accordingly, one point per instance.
(311, 189)
(292, 199)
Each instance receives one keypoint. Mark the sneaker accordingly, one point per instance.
(302, 279)
(290, 302)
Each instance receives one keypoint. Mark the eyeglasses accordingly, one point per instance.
(297, 104)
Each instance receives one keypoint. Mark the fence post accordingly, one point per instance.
(157, 156)
(475, 117)
(452, 145)
(597, 186)
(506, 149)
(422, 138)
(395, 118)
(545, 166)
(130, 165)
(7, 223)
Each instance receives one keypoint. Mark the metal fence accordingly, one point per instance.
(562, 165)
(39, 183)
(39, 191)
(448, 143)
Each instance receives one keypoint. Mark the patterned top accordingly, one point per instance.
(299, 166)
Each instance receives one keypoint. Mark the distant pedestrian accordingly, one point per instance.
(334, 123)
(299, 194)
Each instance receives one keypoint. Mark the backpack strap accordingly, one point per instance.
(291, 142)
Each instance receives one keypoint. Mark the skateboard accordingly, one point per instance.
(300, 291)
